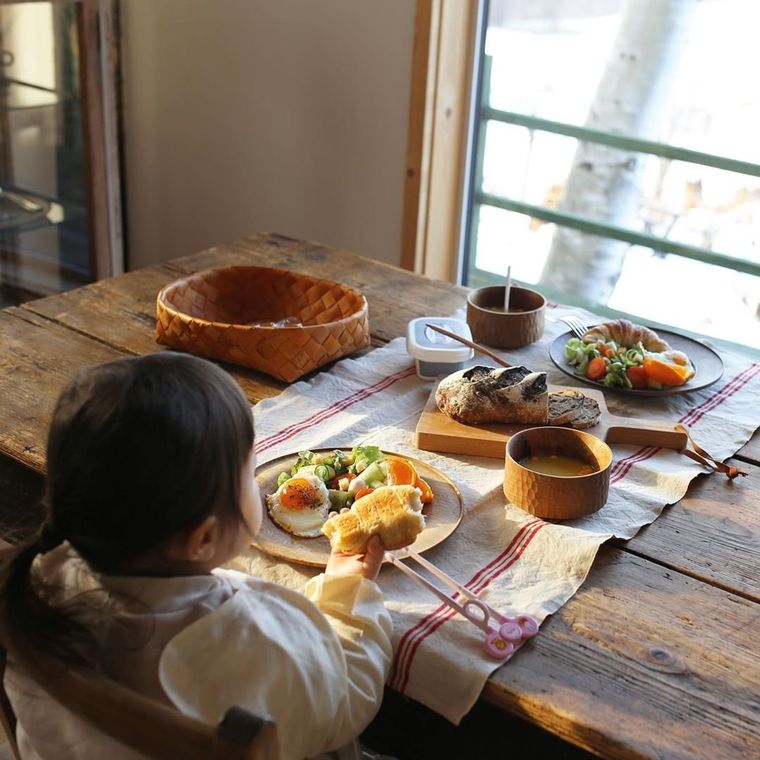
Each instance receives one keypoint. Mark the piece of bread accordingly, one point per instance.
(587, 416)
(486, 394)
(392, 512)
(574, 409)
(626, 333)
(564, 406)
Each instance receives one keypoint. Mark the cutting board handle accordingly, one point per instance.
(637, 432)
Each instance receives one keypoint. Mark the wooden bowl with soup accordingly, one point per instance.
(557, 473)
(520, 325)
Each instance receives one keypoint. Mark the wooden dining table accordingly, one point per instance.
(656, 655)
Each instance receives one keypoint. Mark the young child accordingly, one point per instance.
(150, 489)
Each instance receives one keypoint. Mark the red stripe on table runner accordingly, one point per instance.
(739, 382)
(332, 410)
(414, 637)
(623, 466)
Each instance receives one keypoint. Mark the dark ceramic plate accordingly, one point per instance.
(708, 365)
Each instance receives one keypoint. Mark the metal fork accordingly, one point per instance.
(575, 324)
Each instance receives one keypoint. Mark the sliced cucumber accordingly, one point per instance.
(325, 472)
(339, 499)
(322, 471)
(374, 474)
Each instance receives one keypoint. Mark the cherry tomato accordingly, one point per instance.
(596, 369)
(638, 376)
(362, 492)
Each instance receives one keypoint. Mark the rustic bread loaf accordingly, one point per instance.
(392, 512)
(486, 394)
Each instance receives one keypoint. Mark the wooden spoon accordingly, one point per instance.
(475, 346)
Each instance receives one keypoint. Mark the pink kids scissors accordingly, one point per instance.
(503, 634)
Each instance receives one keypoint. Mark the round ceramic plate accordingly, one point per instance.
(708, 365)
(442, 515)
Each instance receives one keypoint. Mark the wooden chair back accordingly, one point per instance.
(141, 723)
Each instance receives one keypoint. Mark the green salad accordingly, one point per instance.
(327, 466)
(347, 474)
(609, 364)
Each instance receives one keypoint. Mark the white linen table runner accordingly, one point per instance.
(517, 562)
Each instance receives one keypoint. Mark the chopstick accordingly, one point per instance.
(437, 572)
(507, 288)
(475, 346)
(480, 620)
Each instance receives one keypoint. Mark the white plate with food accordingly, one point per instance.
(637, 360)
(302, 489)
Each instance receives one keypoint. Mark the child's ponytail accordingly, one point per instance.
(26, 616)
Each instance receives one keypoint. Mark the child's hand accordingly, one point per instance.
(367, 564)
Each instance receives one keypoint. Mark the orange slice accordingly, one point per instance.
(665, 372)
(400, 472)
(427, 492)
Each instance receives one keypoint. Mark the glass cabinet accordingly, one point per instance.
(60, 220)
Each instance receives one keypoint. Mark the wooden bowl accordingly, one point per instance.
(231, 314)
(505, 329)
(557, 497)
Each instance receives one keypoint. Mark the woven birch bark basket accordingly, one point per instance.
(275, 321)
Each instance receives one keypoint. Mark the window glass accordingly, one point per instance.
(652, 233)
(45, 242)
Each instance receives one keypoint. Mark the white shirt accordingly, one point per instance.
(315, 664)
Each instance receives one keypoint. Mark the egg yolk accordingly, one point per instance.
(299, 494)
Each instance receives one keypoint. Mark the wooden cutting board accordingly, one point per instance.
(437, 432)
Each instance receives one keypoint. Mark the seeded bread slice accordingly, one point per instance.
(574, 409)
(588, 416)
(564, 406)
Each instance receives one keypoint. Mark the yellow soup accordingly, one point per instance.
(500, 309)
(555, 464)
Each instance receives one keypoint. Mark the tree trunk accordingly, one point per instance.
(603, 183)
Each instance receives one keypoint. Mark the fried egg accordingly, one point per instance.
(300, 505)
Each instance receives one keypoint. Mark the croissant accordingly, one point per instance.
(626, 333)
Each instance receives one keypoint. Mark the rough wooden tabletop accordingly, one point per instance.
(657, 653)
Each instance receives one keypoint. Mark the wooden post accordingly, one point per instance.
(444, 56)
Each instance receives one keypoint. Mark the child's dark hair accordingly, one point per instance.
(138, 449)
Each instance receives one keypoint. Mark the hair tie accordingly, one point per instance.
(49, 539)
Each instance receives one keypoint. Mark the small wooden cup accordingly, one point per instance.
(505, 329)
(553, 496)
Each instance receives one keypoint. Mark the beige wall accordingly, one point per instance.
(283, 116)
